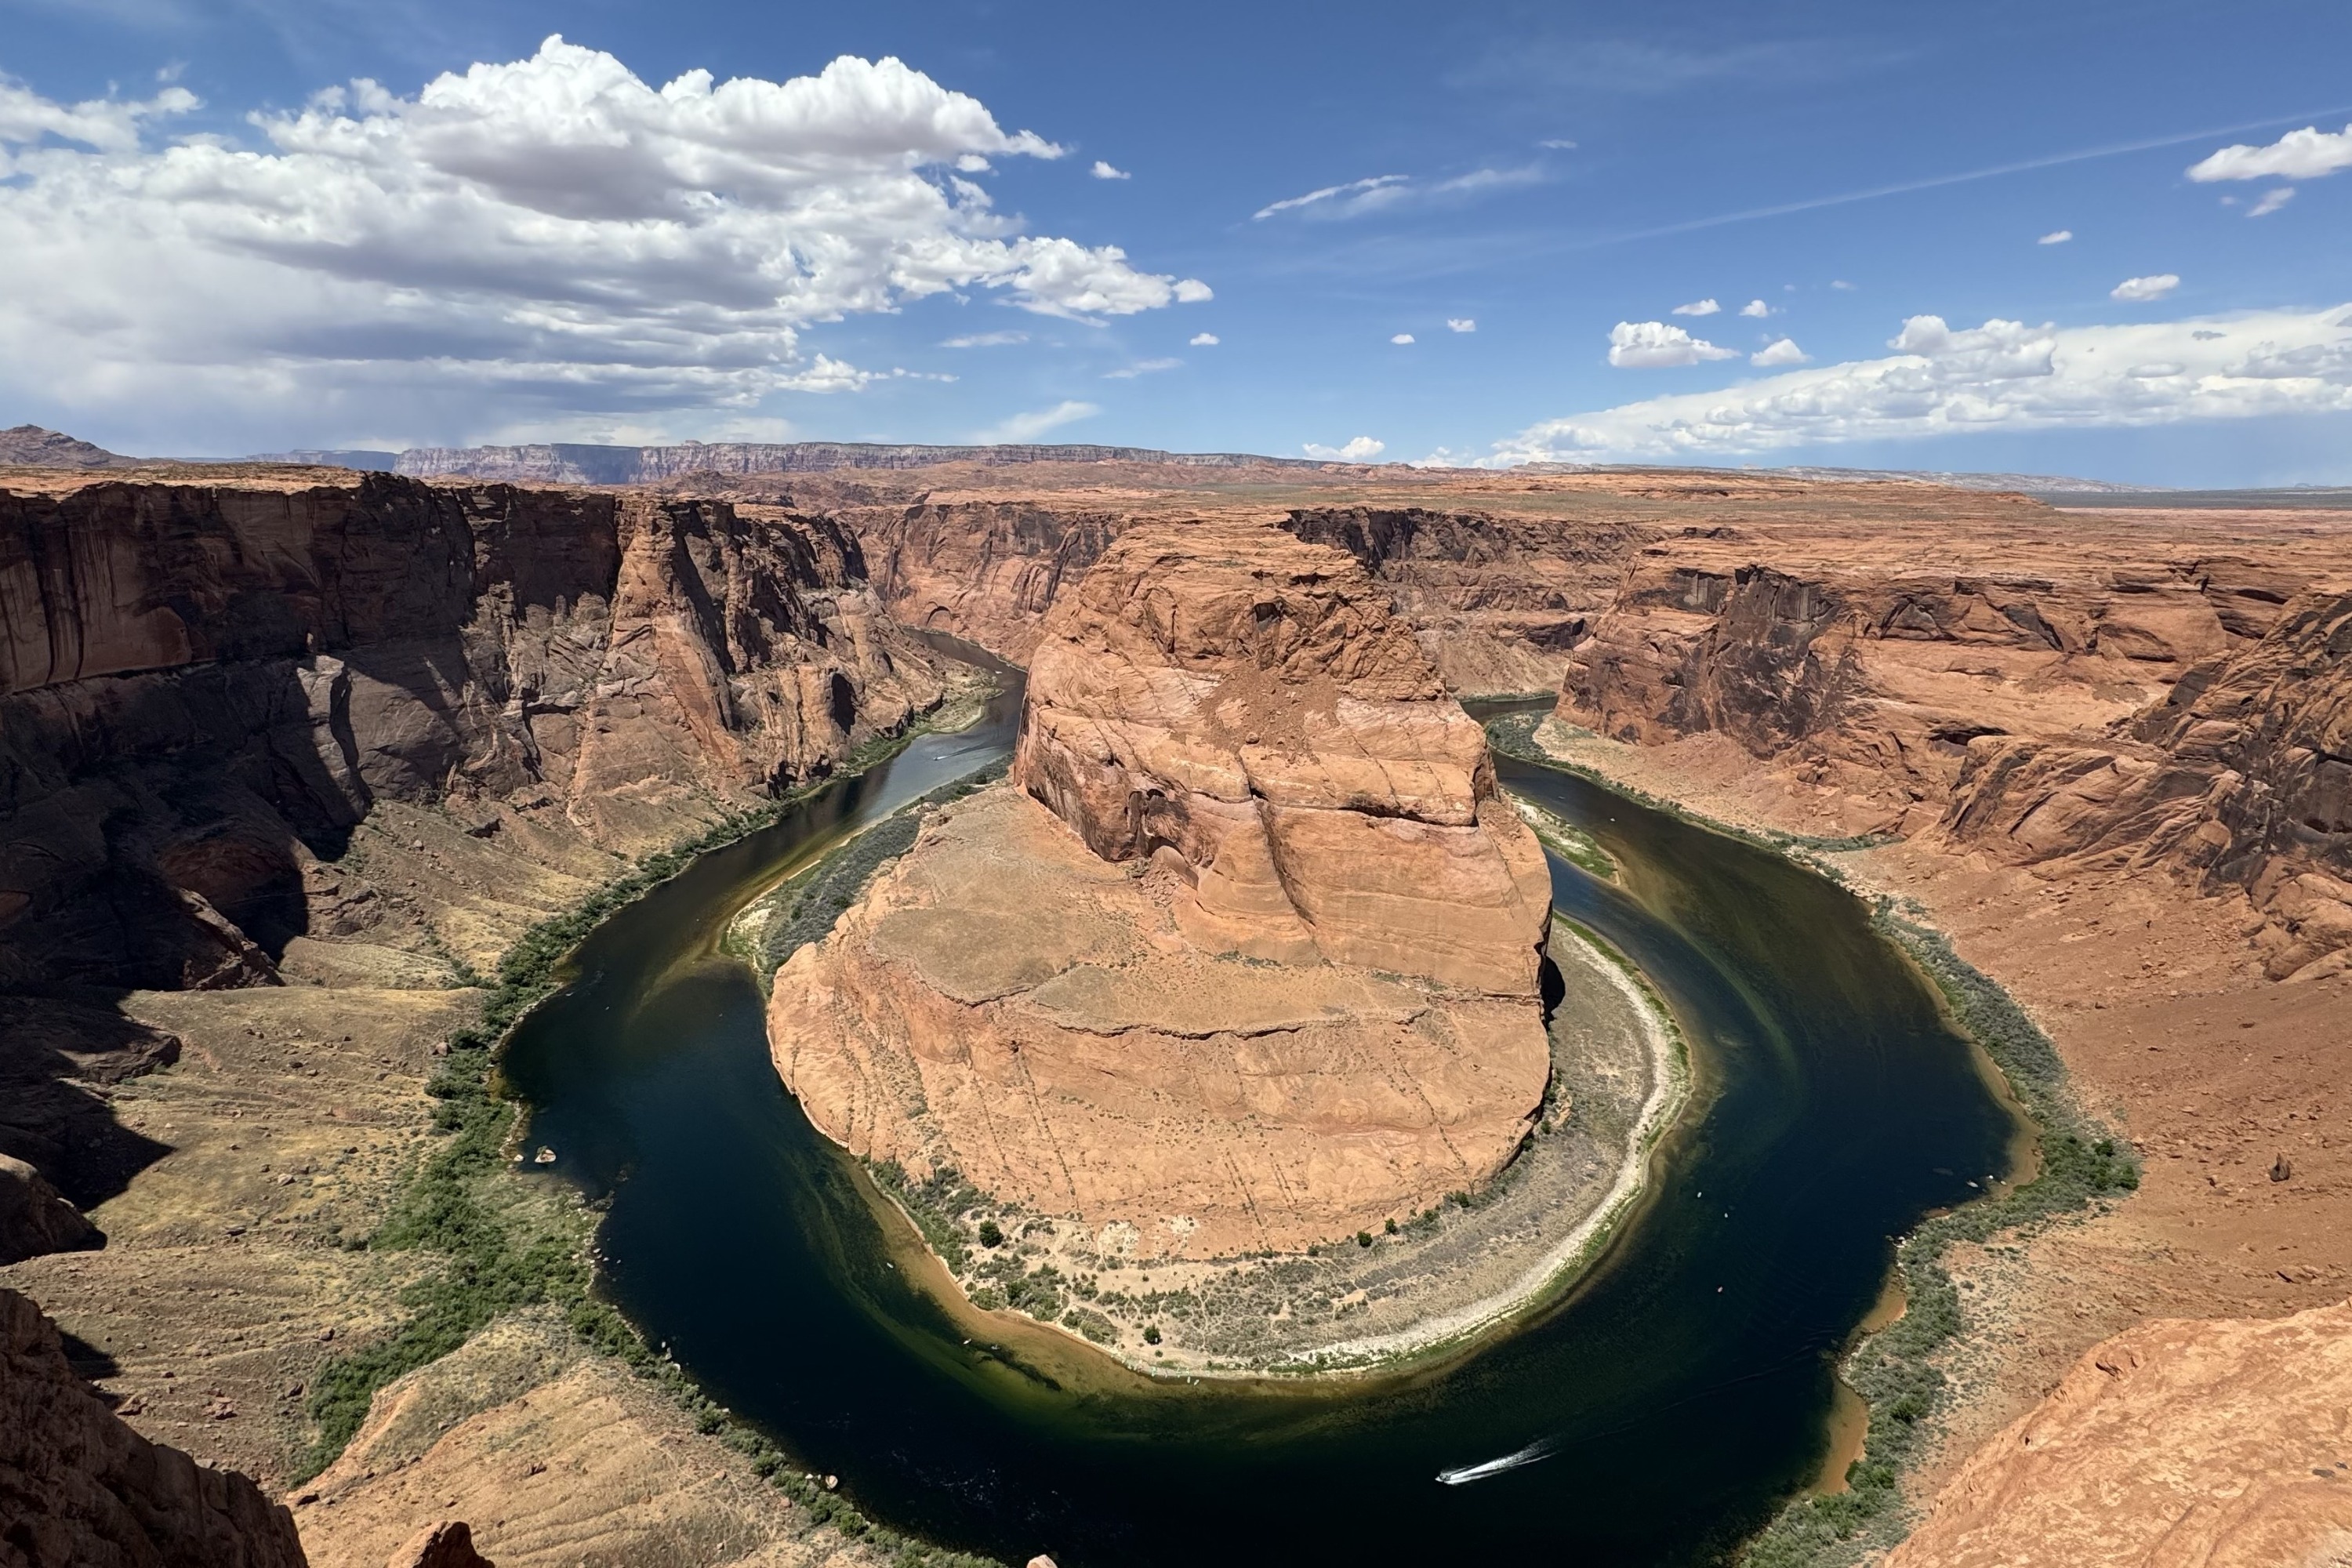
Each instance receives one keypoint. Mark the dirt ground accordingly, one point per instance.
(232, 1268)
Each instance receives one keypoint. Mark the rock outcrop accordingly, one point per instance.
(2219, 1443)
(2170, 708)
(1245, 706)
(2240, 777)
(79, 1488)
(984, 571)
(449, 1545)
(35, 1218)
(205, 688)
(1264, 973)
(1498, 602)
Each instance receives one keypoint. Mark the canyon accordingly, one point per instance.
(1247, 947)
(289, 753)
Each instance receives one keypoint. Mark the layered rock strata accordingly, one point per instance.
(1244, 957)
(2179, 708)
(205, 688)
(77, 1486)
(1245, 706)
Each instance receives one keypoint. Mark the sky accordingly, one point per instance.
(2104, 239)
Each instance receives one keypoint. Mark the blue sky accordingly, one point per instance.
(211, 259)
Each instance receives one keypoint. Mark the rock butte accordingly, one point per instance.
(1245, 956)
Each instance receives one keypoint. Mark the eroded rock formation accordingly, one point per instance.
(1246, 705)
(203, 688)
(79, 1488)
(2240, 777)
(1266, 971)
(2217, 1444)
(2166, 707)
(1497, 601)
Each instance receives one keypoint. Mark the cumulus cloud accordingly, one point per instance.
(1653, 345)
(1362, 449)
(1460, 324)
(1779, 352)
(108, 124)
(2272, 199)
(2056, 237)
(1707, 307)
(1028, 426)
(1402, 338)
(985, 340)
(1205, 339)
(1102, 171)
(1757, 308)
(517, 243)
(1840, 285)
(2003, 375)
(2305, 154)
(2137, 291)
(1140, 367)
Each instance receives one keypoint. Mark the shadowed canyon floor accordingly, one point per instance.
(2108, 749)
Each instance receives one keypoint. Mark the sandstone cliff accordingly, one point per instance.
(78, 1488)
(1270, 978)
(1497, 601)
(2201, 1445)
(2106, 708)
(1246, 704)
(2240, 777)
(203, 688)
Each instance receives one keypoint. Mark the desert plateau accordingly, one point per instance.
(935, 785)
(1234, 1029)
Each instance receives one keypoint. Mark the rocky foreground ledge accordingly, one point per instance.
(1236, 978)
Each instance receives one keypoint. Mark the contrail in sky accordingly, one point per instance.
(1904, 187)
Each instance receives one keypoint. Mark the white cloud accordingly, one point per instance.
(1840, 285)
(1362, 449)
(1402, 338)
(1556, 144)
(1653, 345)
(1779, 352)
(1140, 367)
(1022, 427)
(2305, 155)
(108, 124)
(2003, 375)
(1102, 171)
(1356, 195)
(519, 245)
(1757, 308)
(1205, 339)
(2056, 237)
(2137, 291)
(1460, 324)
(2272, 199)
(1707, 307)
(985, 340)
(1381, 192)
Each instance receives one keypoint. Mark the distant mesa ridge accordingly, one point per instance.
(570, 464)
(573, 463)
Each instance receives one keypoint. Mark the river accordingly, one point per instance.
(1656, 1414)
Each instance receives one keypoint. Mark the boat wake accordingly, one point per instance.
(1463, 1475)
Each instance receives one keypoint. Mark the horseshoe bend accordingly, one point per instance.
(1246, 960)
